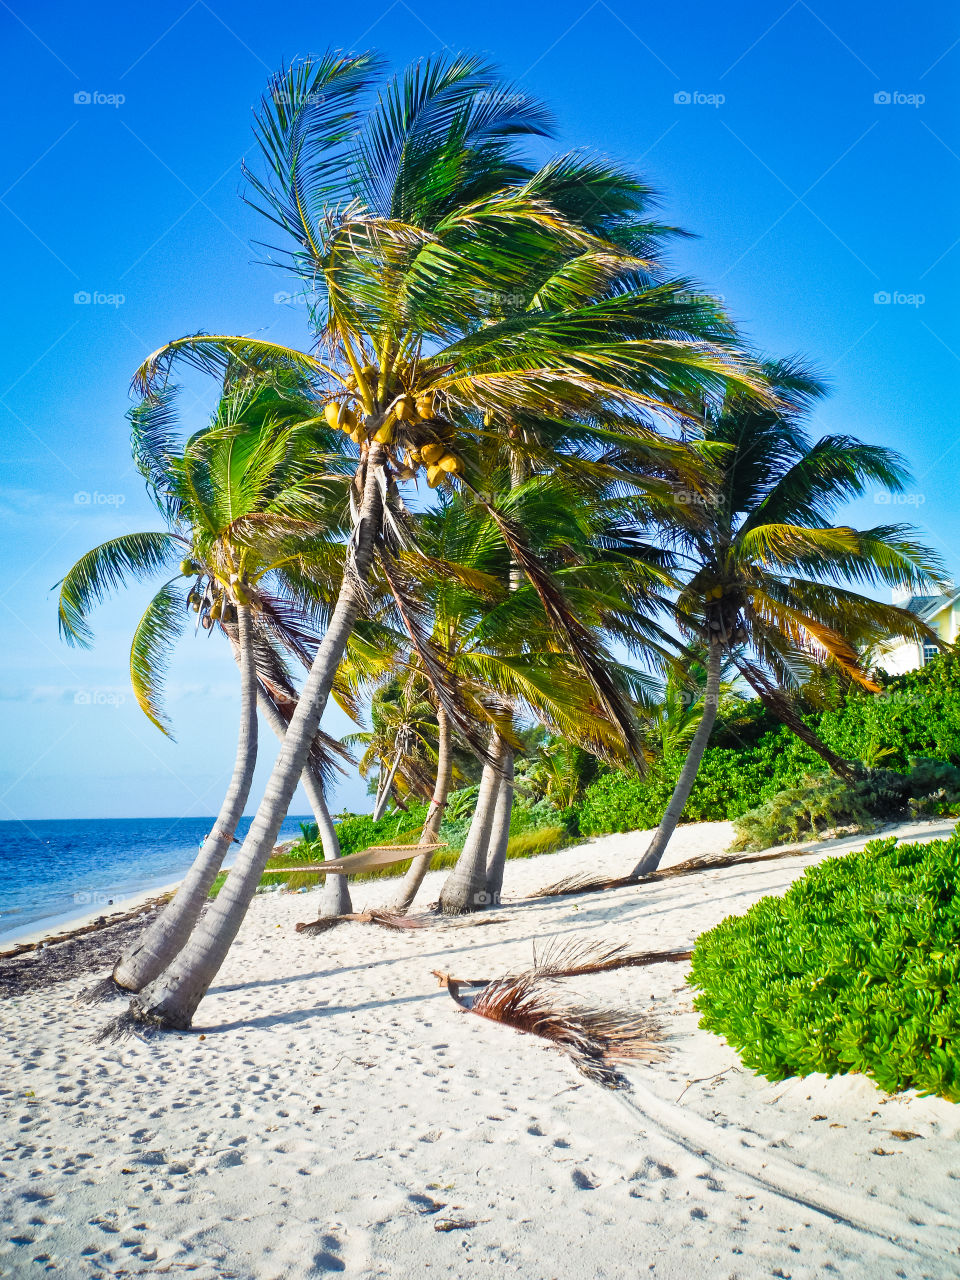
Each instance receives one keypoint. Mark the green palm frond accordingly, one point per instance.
(153, 642)
(131, 557)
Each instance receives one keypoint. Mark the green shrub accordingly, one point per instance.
(828, 803)
(855, 968)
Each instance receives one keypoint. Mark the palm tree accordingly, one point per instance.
(405, 223)
(506, 655)
(768, 581)
(232, 496)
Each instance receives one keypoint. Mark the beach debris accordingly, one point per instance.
(596, 1040)
(454, 1224)
(105, 989)
(904, 1135)
(710, 862)
(387, 919)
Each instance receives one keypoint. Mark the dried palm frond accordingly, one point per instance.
(581, 956)
(595, 1040)
(709, 862)
(384, 918)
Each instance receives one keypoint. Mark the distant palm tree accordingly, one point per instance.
(248, 520)
(409, 215)
(767, 571)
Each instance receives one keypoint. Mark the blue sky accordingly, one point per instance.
(813, 149)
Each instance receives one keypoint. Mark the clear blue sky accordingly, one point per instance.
(808, 193)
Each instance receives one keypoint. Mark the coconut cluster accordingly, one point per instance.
(213, 602)
(411, 429)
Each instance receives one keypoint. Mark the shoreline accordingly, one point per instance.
(72, 926)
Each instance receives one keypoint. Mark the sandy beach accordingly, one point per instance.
(334, 1112)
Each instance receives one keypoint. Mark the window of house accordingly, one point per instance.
(930, 651)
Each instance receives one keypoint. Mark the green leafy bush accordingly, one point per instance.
(827, 803)
(855, 968)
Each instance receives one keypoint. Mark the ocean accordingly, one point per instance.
(54, 871)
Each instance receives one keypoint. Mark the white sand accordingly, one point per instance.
(338, 1095)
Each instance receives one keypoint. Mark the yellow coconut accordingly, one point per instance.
(449, 462)
(404, 408)
(432, 452)
(434, 476)
(384, 434)
(426, 405)
(331, 411)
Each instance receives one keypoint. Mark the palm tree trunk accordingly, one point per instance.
(431, 828)
(688, 775)
(500, 828)
(383, 789)
(172, 999)
(160, 942)
(465, 888)
(335, 898)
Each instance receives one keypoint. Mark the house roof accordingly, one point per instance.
(928, 606)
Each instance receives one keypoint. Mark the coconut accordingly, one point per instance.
(216, 608)
(449, 462)
(188, 567)
(206, 622)
(384, 434)
(432, 453)
(435, 475)
(426, 405)
(404, 408)
(331, 412)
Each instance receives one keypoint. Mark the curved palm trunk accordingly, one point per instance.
(431, 828)
(335, 898)
(465, 888)
(160, 942)
(681, 792)
(172, 999)
(500, 829)
(383, 790)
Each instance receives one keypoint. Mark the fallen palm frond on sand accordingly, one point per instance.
(711, 862)
(595, 1040)
(386, 919)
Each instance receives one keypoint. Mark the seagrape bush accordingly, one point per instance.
(855, 968)
(917, 714)
(751, 761)
(728, 783)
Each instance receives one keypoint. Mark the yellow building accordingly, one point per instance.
(941, 613)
